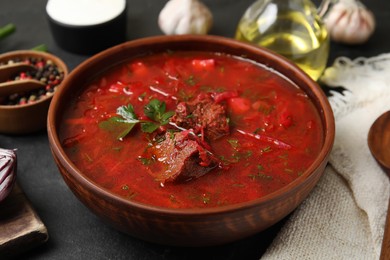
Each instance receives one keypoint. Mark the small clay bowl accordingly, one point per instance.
(28, 118)
(196, 226)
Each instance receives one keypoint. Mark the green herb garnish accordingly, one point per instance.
(233, 143)
(155, 110)
(191, 81)
(121, 125)
(259, 173)
(146, 161)
(266, 149)
(127, 119)
(206, 200)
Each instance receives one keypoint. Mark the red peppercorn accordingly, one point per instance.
(40, 64)
(23, 75)
(55, 82)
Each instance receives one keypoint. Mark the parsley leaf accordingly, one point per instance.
(116, 127)
(155, 110)
(121, 126)
(128, 114)
(124, 123)
(149, 127)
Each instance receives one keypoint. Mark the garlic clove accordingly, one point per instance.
(350, 22)
(185, 17)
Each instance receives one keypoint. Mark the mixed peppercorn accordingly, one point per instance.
(46, 72)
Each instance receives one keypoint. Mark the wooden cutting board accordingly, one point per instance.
(20, 227)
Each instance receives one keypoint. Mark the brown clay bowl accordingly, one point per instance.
(29, 118)
(188, 227)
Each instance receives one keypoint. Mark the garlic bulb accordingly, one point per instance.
(185, 17)
(349, 21)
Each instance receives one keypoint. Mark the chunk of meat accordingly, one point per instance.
(204, 115)
(183, 157)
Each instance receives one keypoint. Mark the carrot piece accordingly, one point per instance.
(207, 64)
(139, 68)
(286, 120)
(239, 105)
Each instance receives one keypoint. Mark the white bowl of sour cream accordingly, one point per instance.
(87, 26)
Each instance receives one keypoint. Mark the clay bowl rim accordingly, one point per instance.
(323, 108)
(32, 53)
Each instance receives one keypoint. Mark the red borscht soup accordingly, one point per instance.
(191, 129)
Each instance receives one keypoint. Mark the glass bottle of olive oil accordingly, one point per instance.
(291, 28)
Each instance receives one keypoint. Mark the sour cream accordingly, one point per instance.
(84, 12)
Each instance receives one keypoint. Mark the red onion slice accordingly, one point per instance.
(8, 165)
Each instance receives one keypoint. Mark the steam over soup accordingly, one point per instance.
(191, 129)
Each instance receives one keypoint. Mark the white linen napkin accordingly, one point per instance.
(344, 216)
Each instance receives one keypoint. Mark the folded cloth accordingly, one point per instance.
(344, 216)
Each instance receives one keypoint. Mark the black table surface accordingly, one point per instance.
(75, 232)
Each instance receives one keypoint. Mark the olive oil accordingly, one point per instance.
(300, 37)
